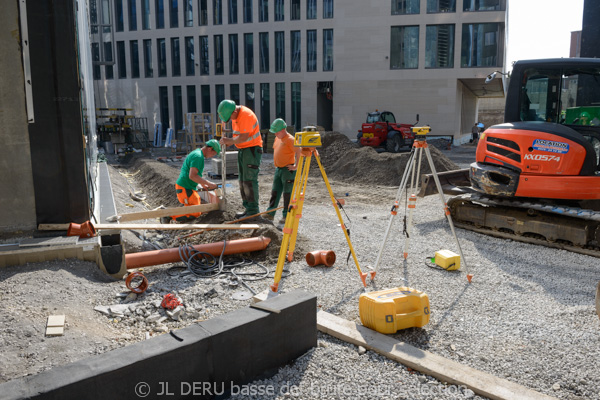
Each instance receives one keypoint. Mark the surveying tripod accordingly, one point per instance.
(419, 146)
(308, 140)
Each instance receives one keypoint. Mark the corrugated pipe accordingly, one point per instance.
(156, 257)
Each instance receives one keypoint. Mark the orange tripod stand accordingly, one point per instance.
(309, 140)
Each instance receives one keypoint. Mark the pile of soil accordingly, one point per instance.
(347, 161)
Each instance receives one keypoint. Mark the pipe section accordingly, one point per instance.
(156, 257)
(325, 257)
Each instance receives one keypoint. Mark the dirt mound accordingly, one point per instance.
(347, 161)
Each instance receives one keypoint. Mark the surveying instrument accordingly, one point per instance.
(309, 139)
(420, 146)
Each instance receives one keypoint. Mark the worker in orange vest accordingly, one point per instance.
(247, 139)
(285, 158)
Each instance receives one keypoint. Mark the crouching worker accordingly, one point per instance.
(285, 158)
(190, 180)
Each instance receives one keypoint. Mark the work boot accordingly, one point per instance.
(240, 214)
(185, 219)
(165, 220)
(282, 220)
(268, 217)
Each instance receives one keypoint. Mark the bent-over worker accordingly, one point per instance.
(190, 179)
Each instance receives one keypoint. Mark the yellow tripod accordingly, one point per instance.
(309, 140)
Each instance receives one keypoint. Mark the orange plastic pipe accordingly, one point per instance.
(156, 257)
(325, 257)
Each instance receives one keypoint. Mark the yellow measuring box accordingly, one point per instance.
(447, 260)
(390, 310)
(309, 137)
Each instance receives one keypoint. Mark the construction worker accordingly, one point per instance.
(247, 139)
(285, 158)
(190, 180)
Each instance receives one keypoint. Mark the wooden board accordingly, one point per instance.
(62, 227)
(428, 363)
(168, 212)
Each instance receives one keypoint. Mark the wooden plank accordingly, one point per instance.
(428, 363)
(168, 212)
(60, 227)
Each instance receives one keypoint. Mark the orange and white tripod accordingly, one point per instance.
(420, 146)
(309, 140)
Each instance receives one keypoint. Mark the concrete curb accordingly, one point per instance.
(205, 360)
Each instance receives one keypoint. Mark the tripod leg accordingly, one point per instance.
(298, 211)
(412, 200)
(363, 276)
(446, 210)
(291, 216)
(403, 182)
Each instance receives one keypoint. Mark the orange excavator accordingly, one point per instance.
(536, 177)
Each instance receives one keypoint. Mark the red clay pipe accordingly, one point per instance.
(156, 257)
(325, 257)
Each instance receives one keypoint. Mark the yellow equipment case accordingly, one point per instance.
(390, 310)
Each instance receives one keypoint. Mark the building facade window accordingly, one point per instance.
(108, 72)
(145, 14)
(406, 7)
(175, 57)
(161, 52)
(178, 108)
(327, 49)
(441, 6)
(311, 50)
(265, 105)
(234, 63)
(218, 42)
(108, 55)
(163, 105)
(159, 6)
(482, 5)
(204, 63)
(232, 10)
(279, 52)
(132, 15)
(134, 54)
(296, 58)
(191, 98)
(173, 14)
(296, 106)
(480, 47)
(404, 47)
(294, 10)
(263, 10)
(96, 58)
(205, 96)
(234, 93)
(203, 13)
(188, 13)
(311, 9)
(327, 9)
(148, 72)
(439, 46)
(249, 95)
(190, 67)
(263, 52)
(121, 61)
(218, 12)
(119, 19)
(247, 11)
(219, 93)
(248, 53)
(279, 10)
(280, 100)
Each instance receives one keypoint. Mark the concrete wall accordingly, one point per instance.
(16, 182)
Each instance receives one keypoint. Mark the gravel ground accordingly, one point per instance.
(528, 316)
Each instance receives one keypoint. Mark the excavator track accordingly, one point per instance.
(568, 228)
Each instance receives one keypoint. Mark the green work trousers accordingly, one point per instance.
(283, 183)
(249, 160)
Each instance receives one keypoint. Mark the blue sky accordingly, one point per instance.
(541, 28)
